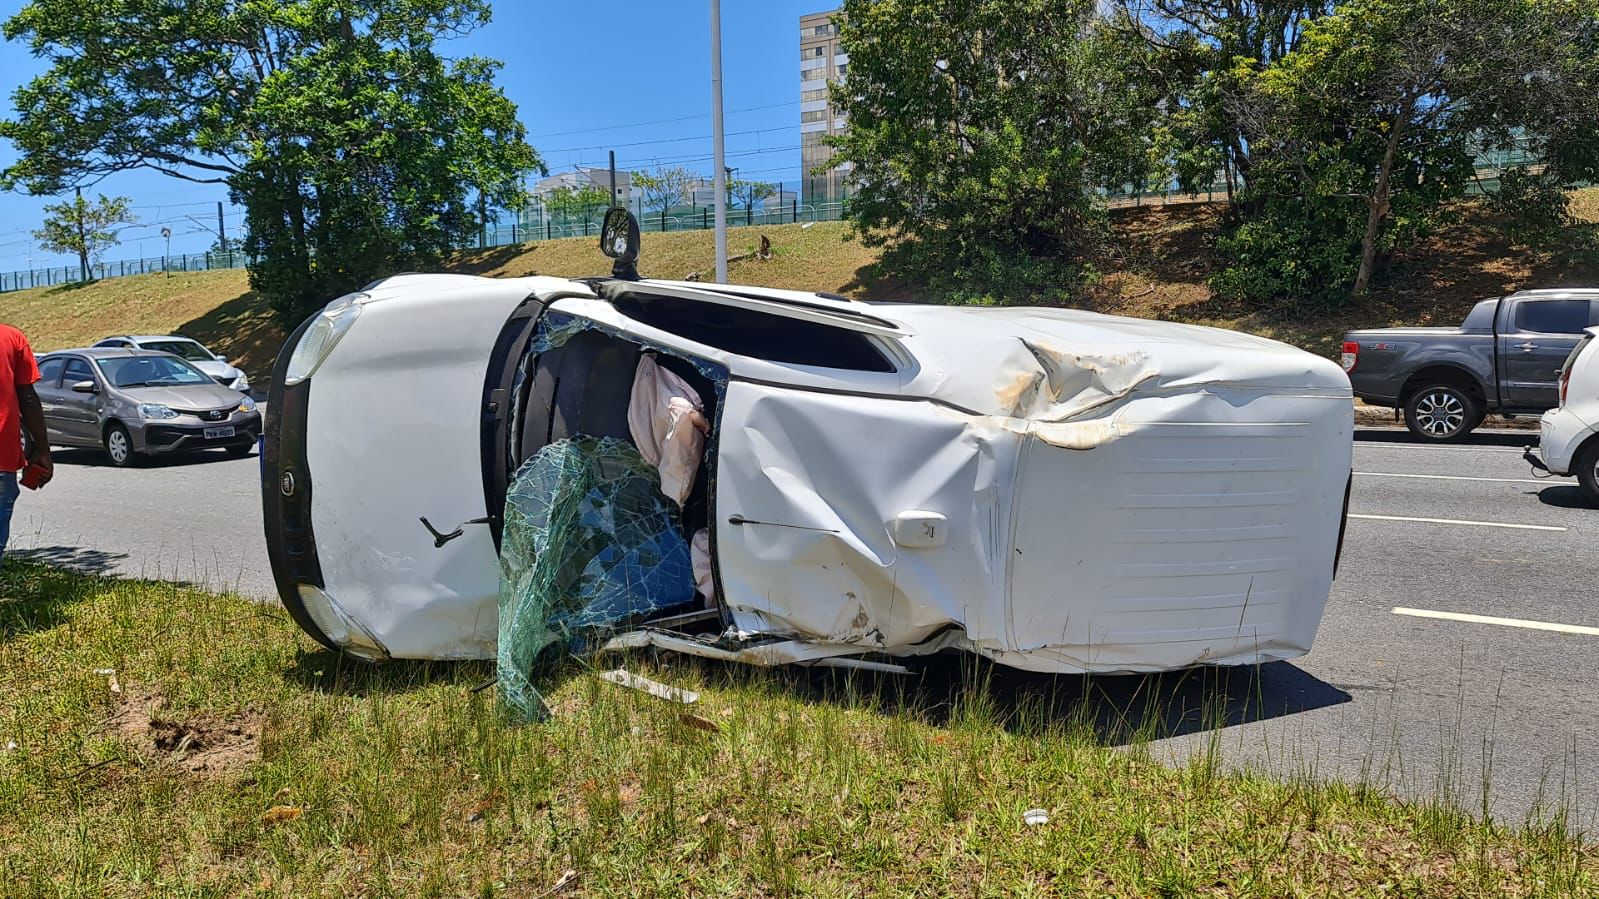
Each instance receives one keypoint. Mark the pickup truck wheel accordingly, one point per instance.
(1441, 413)
(1588, 472)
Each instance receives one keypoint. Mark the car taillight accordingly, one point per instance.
(1565, 382)
(1351, 355)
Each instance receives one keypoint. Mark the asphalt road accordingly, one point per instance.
(1426, 707)
(193, 519)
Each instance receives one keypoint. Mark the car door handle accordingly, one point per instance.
(1527, 347)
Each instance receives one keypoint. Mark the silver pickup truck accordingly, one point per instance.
(1504, 358)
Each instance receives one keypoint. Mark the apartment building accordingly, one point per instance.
(822, 62)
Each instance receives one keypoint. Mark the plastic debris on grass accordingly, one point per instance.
(589, 542)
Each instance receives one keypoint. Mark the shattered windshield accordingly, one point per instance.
(590, 542)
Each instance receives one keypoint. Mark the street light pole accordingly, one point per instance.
(716, 142)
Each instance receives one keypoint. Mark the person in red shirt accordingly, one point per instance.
(19, 410)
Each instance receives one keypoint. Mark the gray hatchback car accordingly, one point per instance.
(131, 402)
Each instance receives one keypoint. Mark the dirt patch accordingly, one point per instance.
(202, 746)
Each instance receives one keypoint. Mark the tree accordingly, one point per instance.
(978, 134)
(576, 202)
(747, 193)
(1374, 120)
(355, 146)
(1195, 52)
(665, 188)
(84, 229)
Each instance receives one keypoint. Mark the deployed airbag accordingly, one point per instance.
(667, 421)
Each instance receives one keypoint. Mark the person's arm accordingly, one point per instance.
(38, 437)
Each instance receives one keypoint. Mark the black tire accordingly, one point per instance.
(240, 450)
(1442, 412)
(1588, 472)
(118, 446)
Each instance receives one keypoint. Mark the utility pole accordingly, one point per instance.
(83, 240)
(482, 220)
(222, 229)
(615, 194)
(716, 142)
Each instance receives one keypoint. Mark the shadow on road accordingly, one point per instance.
(1516, 439)
(89, 458)
(941, 689)
(1564, 496)
(76, 558)
(1117, 709)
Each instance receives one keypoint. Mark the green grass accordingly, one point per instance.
(401, 781)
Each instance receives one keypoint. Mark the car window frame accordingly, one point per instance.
(59, 374)
(1522, 306)
(94, 374)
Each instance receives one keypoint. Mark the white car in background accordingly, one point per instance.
(191, 351)
(1057, 490)
(1568, 441)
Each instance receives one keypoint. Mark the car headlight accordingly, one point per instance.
(242, 382)
(247, 406)
(320, 338)
(156, 412)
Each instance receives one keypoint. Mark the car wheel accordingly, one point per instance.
(1441, 413)
(1588, 471)
(119, 446)
(239, 451)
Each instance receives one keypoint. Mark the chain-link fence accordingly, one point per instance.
(71, 274)
(507, 227)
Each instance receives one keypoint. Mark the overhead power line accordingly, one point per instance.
(687, 118)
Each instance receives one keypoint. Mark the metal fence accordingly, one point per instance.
(536, 223)
(536, 226)
(71, 274)
(525, 226)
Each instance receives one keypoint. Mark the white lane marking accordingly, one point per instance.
(1451, 448)
(1453, 477)
(1503, 622)
(1480, 524)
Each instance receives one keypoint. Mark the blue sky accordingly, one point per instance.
(561, 69)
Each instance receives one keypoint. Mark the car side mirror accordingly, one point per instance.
(85, 387)
(619, 239)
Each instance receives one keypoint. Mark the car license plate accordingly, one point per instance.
(218, 433)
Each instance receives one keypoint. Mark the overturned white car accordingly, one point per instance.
(827, 480)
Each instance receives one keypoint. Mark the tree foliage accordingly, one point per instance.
(355, 146)
(1363, 132)
(577, 201)
(748, 193)
(978, 134)
(666, 188)
(84, 229)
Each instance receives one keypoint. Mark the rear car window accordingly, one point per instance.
(1482, 316)
(759, 335)
(183, 349)
(1554, 316)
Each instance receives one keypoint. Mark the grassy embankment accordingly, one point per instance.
(228, 756)
(1163, 256)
